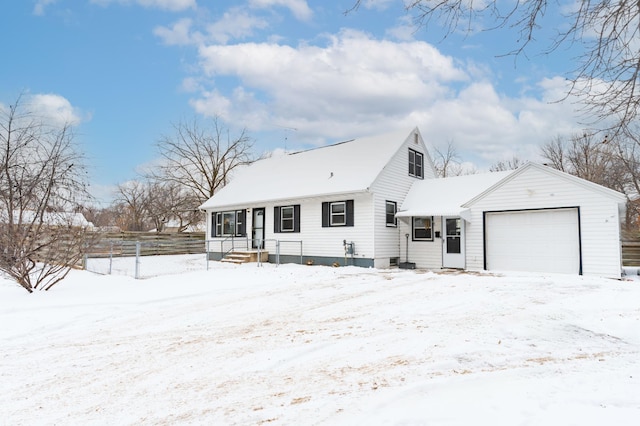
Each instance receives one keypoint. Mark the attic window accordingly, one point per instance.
(416, 164)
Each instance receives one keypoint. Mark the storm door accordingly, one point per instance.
(257, 233)
(453, 241)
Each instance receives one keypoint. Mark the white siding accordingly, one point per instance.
(536, 189)
(425, 254)
(392, 184)
(317, 241)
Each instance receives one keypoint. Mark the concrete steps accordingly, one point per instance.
(245, 256)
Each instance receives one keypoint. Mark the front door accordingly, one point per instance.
(257, 233)
(453, 241)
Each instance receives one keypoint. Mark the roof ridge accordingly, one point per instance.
(320, 147)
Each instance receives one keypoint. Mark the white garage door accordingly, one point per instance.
(533, 240)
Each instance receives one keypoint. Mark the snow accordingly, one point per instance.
(327, 170)
(447, 195)
(318, 345)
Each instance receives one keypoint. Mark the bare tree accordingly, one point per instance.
(42, 183)
(614, 163)
(201, 158)
(504, 165)
(169, 201)
(607, 72)
(145, 204)
(447, 162)
(133, 199)
(587, 156)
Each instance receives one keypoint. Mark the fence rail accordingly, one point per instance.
(124, 244)
(137, 245)
(631, 253)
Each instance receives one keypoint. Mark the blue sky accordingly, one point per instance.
(294, 73)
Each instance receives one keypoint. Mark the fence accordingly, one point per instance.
(631, 253)
(274, 247)
(143, 254)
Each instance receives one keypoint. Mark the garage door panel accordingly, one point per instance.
(534, 241)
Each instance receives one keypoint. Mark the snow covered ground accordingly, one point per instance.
(318, 345)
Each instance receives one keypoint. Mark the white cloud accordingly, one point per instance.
(54, 109)
(39, 7)
(235, 24)
(376, 4)
(356, 85)
(352, 74)
(178, 34)
(404, 30)
(172, 5)
(299, 8)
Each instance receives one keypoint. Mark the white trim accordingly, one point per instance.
(615, 195)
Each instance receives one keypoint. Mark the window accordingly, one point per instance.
(416, 163)
(391, 209)
(422, 229)
(286, 218)
(224, 224)
(337, 213)
(240, 222)
(228, 223)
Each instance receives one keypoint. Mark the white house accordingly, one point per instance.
(376, 202)
(331, 204)
(533, 219)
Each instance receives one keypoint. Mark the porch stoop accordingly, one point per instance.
(245, 256)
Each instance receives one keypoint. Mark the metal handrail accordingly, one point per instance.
(259, 246)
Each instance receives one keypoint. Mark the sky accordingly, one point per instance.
(294, 73)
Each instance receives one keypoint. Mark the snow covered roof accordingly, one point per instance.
(341, 168)
(445, 196)
(615, 195)
(51, 218)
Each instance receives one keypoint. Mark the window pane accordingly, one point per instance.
(453, 226)
(239, 222)
(286, 218)
(422, 228)
(337, 208)
(287, 212)
(228, 223)
(391, 213)
(419, 164)
(412, 163)
(287, 224)
(338, 213)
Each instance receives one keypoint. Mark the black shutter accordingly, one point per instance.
(276, 219)
(349, 213)
(325, 214)
(296, 218)
(242, 218)
(213, 225)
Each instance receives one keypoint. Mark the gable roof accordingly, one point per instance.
(446, 196)
(610, 193)
(341, 168)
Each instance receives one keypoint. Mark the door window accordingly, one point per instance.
(453, 235)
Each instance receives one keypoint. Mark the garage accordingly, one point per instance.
(545, 240)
